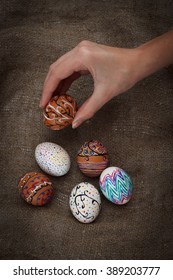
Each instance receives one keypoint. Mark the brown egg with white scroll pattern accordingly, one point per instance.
(60, 112)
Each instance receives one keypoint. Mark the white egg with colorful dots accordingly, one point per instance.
(85, 202)
(52, 159)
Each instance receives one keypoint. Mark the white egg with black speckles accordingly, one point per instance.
(85, 202)
(52, 159)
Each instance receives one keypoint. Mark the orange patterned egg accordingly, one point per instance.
(60, 112)
(92, 158)
(35, 188)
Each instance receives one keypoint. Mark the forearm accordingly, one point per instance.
(154, 55)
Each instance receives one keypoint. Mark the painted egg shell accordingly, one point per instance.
(116, 185)
(85, 202)
(52, 159)
(92, 158)
(35, 188)
(59, 112)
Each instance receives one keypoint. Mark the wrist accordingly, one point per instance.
(154, 55)
(137, 66)
(144, 64)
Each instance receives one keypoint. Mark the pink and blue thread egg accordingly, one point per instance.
(116, 185)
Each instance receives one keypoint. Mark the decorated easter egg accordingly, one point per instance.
(35, 188)
(52, 159)
(59, 112)
(116, 185)
(85, 202)
(92, 158)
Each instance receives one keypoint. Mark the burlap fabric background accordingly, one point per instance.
(136, 128)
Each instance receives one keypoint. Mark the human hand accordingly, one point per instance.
(114, 70)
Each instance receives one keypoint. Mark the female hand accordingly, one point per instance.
(114, 70)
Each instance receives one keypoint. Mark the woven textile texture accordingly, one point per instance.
(136, 128)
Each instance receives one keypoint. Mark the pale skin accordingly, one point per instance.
(114, 71)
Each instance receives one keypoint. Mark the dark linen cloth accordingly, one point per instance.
(136, 127)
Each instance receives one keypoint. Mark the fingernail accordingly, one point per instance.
(76, 123)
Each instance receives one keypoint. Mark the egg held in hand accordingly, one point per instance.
(59, 112)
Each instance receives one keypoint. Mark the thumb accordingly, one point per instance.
(90, 107)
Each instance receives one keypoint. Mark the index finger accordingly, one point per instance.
(61, 69)
(55, 75)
